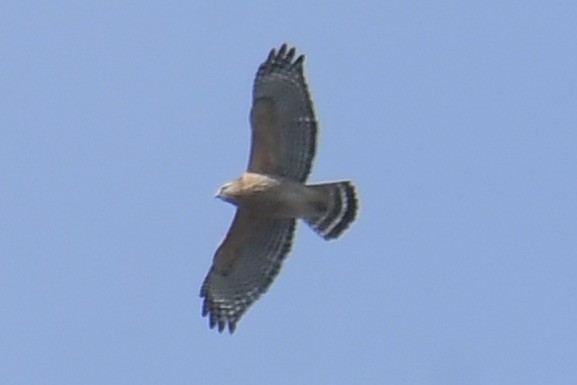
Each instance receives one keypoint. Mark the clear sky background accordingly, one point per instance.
(457, 121)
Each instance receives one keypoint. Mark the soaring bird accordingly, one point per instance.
(272, 194)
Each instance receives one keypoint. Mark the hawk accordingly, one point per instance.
(272, 194)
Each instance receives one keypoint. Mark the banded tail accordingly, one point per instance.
(337, 210)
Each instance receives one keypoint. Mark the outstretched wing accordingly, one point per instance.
(244, 266)
(282, 118)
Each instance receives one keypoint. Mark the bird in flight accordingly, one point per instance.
(272, 194)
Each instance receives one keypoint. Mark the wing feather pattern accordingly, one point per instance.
(244, 266)
(283, 123)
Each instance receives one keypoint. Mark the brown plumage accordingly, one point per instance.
(272, 194)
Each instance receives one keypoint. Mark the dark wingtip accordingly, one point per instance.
(299, 60)
(215, 321)
(211, 321)
(222, 324)
(290, 54)
(282, 50)
(271, 55)
(284, 56)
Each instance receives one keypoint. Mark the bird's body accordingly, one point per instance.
(272, 195)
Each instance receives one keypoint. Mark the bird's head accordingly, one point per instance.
(229, 192)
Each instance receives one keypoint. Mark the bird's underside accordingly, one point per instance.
(272, 195)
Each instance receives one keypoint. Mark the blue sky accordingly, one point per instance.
(456, 120)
